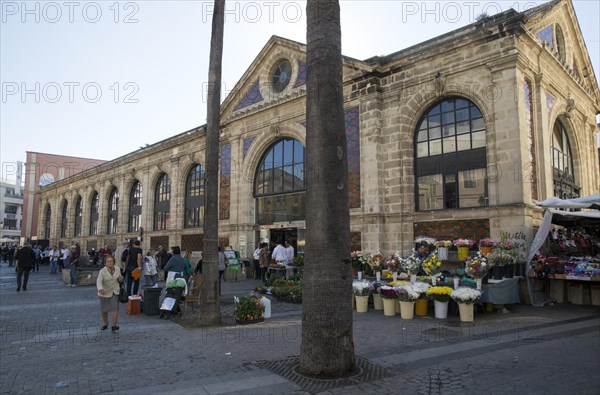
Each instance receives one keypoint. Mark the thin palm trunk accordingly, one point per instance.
(327, 345)
(210, 309)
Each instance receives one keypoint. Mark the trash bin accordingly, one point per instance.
(248, 269)
(151, 300)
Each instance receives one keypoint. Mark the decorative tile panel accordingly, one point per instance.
(476, 229)
(546, 35)
(253, 96)
(531, 172)
(225, 182)
(301, 80)
(351, 118)
(247, 143)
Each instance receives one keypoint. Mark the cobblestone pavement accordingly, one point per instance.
(50, 343)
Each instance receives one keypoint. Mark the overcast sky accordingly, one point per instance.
(103, 78)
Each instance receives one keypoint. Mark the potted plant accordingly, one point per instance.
(431, 266)
(248, 309)
(466, 297)
(390, 299)
(442, 248)
(440, 296)
(421, 304)
(361, 292)
(486, 245)
(407, 296)
(463, 245)
(377, 300)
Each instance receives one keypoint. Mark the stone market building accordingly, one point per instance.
(453, 137)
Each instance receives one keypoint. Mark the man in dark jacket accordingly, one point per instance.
(25, 261)
(134, 261)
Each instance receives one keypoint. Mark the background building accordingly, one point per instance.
(40, 170)
(11, 207)
(454, 137)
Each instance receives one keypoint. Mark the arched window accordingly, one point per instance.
(94, 210)
(279, 186)
(162, 199)
(194, 198)
(47, 221)
(64, 220)
(113, 211)
(562, 164)
(78, 217)
(450, 156)
(135, 207)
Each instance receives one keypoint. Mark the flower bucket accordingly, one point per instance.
(478, 280)
(441, 309)
(442, 253)
(434, 280)
(377, 302)
(421, 307)
(395, 276)
(407, 310)
(463, 252)
(362, 304)
(389, 307)
(378, 276)
(466, 312)
(456, 281)
(398, 311)
(359, 274)
(485, 250)
(413, 278)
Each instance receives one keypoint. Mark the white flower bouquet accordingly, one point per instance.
(406, 293)
(361, 288)
(466, 295)
(421, 288)
(410, 264)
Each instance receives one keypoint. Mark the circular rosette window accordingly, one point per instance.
(281, 76)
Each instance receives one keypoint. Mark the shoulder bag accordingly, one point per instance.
(123, 297)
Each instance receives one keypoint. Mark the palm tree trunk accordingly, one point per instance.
(327, 345)
(210, 309)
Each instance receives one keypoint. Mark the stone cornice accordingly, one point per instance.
(264, 105)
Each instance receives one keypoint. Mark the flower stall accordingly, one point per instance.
(564, 258)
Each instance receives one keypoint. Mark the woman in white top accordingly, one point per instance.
(108, 291)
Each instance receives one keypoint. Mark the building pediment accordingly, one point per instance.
(556, 27)
(278, 74)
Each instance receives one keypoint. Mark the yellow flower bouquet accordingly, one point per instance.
(431, 265)
(439, 293)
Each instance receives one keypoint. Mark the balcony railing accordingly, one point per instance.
(13, 195)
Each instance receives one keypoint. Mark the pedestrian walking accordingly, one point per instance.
(256, 261)
(73, 264)
(222, 267)
(25, 261)
(264, 259)
(108, 292)
(53, 255)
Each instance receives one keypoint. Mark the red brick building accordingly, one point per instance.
(43, 169)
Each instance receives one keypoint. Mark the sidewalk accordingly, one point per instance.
(50, 343)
